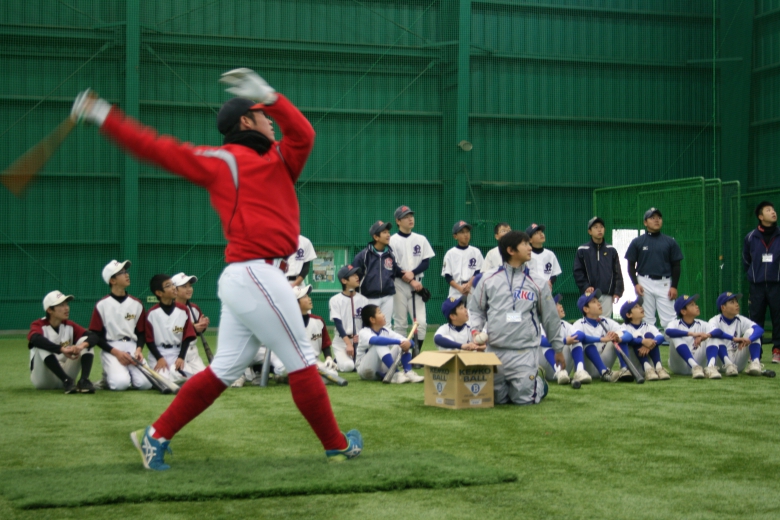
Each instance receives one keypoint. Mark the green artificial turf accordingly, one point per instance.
(676, 449)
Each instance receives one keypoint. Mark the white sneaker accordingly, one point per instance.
(414, 377)
(663, 375)
(731, 370)
(754, 368)
(651, 374)
(582, 376)
(238, 383)
(698, 372)
(399, 378)
(562, 377)
(712, 373)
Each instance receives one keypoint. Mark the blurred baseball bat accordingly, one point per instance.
(340, 381)
(206, 347)
(391, 371)
(169, 387)
(638, 377)
(17, 176)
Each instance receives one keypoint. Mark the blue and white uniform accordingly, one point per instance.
(450, 337)
(600, 356)
(548, 360)
(725, 330)
(376, 351)
(683, 354)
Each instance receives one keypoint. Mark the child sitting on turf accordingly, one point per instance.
(456, 334)
(552, 370)
(200, 322)
(738, 338)
(379, 350)
(598, 334)
(169, 331)
(688, 340)
(461, 263)
(644, 341)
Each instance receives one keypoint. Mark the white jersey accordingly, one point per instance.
(168, 331)
(64, 335)
(341, 307)
(305, 253)
(461, 337)
(492, 260)
(366, 333)
(461, 264)
(119, 320)
(741, 327)
(317, 333)
(597, 330)
(679, 324)
(409, 251)
(642, 330)
(544, 265)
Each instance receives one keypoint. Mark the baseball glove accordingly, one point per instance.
(425, 294)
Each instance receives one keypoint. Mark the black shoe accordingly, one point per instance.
(85, 386)
(70, 386)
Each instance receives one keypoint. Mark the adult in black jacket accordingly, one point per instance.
(597, 266)
(761, 260)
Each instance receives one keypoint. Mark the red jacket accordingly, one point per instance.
(254, 195)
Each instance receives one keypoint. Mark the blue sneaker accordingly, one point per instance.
(152, 451)
(353, 449)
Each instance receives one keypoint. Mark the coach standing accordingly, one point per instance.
(597, 266)
(761, 260)
(654, 267)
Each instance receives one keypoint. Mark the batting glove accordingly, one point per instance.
(246, 83)
(329, 363)
(88, 107)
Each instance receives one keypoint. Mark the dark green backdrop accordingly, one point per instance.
(558, 98)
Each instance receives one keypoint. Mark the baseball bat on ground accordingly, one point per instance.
(631, 368)
(17, 176)
(266, 370)
(159, 382)
(206, 347)
(340, 381)
(391, 371)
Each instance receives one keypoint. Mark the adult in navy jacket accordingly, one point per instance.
(761, 260)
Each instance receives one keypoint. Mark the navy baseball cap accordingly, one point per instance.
(231, 112)
(629, 306)
(587, 297)
(557, 298)
(450, 304)
(402, 211)
(595, 220)
(726, 297)
(652, 211)
(379, 226)
(533, 228)
(347, 271)
(460, 225)
(682, 301)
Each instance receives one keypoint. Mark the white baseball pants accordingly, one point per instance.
(657, 297)
(339, 349)
(258, 306)
(193, 359)
(606, 305)
(403, 307)
(118, 376)
(549, 371)
(44, 379)
(677, 364)
(371, 362)
(608, 357)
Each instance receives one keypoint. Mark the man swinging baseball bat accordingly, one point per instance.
(253, 289)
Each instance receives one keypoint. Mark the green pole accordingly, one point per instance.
(462, 106)
(129, 181)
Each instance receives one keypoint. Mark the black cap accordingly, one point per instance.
(761, 207)
(652, 211)
(347, 271)
(460, 225)
(596, 220)
(402, 211)
(533, 228)
(378, 227)
(231, 113)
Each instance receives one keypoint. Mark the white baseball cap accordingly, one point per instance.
(114, 267)
(55, 298)
(301, 290)
(180, 279)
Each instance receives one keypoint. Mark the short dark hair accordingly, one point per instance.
(761, 206)
(511, 239)
(499, 226)
(449, 317)
(157, 281)
(368, 312)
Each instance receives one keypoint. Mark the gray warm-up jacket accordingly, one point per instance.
(492, 300)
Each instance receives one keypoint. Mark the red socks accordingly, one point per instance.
(195, 396)
(311, 398)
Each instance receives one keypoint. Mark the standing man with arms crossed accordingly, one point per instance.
(413, 253)
(597, 266)
(261, 230)
(654, 268)
(761, 260)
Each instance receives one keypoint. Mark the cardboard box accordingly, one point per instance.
(458, 379)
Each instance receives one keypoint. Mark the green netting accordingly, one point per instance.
(557, 97)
